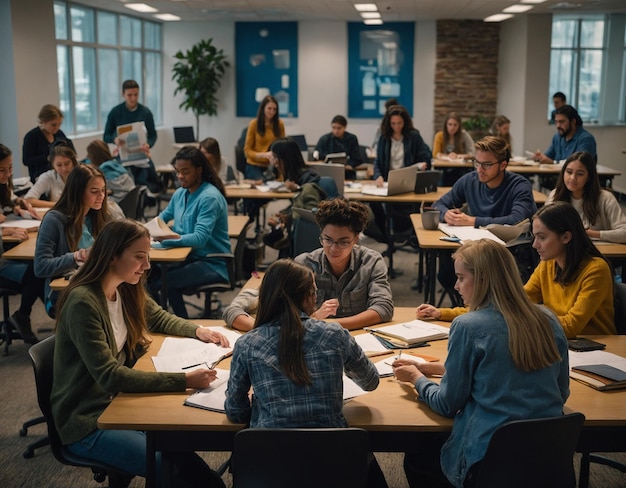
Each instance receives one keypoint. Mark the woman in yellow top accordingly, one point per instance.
(453, 142)
(572, 279)
(262, 131)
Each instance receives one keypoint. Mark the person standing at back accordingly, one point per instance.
(128, 112)
(262, 131)
(37, 142)
(558, 100)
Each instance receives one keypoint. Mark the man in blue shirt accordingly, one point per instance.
(570, 137)
(492, 194)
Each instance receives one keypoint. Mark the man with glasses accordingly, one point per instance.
(352, 285)
(492, 194)
(489, 195)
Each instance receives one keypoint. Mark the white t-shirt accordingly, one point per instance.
(120, 331)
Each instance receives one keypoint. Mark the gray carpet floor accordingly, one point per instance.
(18, 403)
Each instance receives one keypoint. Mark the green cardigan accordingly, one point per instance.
(86, 372)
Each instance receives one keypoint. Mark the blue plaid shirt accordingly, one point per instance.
(328, 349)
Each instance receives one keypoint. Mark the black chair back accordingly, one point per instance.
(537, 453)
(42, 357)
(130, 203)
(306, 458)
(620, 307)
(306, 232)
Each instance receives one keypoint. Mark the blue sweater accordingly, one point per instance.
(509, 203)
(415, 151)
(201, 219)
(482, 388)
(120, 115)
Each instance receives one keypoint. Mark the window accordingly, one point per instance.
(96, 51)
(588, 64)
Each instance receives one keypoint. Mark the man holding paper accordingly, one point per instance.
(128, 112)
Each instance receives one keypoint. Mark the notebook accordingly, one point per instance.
(409, 334)
(183, 135)
(426, 181)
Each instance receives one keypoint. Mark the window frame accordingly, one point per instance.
(68, 73)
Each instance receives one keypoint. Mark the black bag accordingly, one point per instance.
(277, 238)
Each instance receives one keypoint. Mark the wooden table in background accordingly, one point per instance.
(392, 416)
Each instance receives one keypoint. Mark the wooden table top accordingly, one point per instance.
(530, 168)
(391, 407)
(236, 224)
(236, 192)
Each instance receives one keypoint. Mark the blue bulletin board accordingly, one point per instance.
(380, 66)
(266, 64)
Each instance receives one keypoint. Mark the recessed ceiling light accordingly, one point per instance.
(497, 17)
(140, 7)
(533, 1)
(167, 16)
(366, 7)
(370, 15)
(373, 21)
(517, 9)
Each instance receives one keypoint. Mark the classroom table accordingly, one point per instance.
(26, 251)
(530, 168)
(411, 197)
(430, 241)
(391, 414)
(243, 191)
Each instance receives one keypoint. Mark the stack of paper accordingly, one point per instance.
(183, 354)
(158, 228)
(598, 369)
(411, 334)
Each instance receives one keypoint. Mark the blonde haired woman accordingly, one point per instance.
(507, 360)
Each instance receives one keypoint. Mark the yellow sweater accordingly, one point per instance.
(257, 143)
(584, 306)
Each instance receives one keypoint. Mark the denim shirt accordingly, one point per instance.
(328, 350)
(561, 148)
(482, 388)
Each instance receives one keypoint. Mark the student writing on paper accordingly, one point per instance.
(200, 215)
(93, 357)
(67, 230)
(572, 278)
(507, 360)
(17, 275)
(452, 141)
(352, 284)
(51, 183)
(294, 363)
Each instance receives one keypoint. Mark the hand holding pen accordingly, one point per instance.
(200, 378)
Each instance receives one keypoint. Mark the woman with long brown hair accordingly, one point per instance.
(104, 320)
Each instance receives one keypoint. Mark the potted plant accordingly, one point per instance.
(198, 73)
(477, 126)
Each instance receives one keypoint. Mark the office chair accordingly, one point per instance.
(42, 357)
(306, 232)
(535, 452)
(7, 331)
(130, 203)
(587, 458)
(307, 458)
(208, 311)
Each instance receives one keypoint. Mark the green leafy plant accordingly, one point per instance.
(198, 73)
(477, 122)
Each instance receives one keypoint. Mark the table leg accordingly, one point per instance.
(151, 474)
(429, 294)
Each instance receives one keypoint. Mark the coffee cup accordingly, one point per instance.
(430, 218)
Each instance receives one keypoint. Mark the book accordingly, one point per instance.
(158, 228)
(410, 334)
(507, 235)
(132, 137)
(598, 369)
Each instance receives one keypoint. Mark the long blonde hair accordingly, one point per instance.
(498, 283)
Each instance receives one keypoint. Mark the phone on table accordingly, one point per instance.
(582, 344)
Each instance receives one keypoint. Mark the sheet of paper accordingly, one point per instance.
(231, 334)
(214, 396)
(22, 223)
(133, 137)
(370, 345)
(158, 228)
(178, 354)
(384, 365)
(580, 358)
(374, 190)
(468, 233)
(351, 389)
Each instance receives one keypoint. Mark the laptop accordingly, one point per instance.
(401, 180)
(335, 171)
(427, 181)
(184, 135)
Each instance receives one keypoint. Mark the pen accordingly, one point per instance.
(195, 365)
(400, 354)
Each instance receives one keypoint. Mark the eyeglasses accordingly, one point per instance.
(484, 166)
(328, 242)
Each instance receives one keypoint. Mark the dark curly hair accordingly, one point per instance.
(342, 213)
